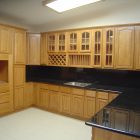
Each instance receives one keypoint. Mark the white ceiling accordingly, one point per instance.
(31, 13)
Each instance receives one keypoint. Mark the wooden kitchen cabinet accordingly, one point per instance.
(62, 42)
(124, 42)
(5, 39)
(33, 49)
(108, 47)
(101, 100)
(137, 47)
(19, 98)
(112, 96)
(19, 75)
(19, 46)
(85, 41)
(77, 102)
(73, 41)
(97, 47)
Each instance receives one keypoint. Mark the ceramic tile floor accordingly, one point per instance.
(36, 124)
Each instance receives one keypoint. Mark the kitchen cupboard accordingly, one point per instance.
(89, 103)
(33, 49)
(102, 134)
(108, 47)
(101, 100)
(19, 97)
(19, 46)
(137, 47)
(73, 41)
(85, 40)
(5, 39)
(62, 42)
(97, 44)
(124, 47)
(43, 49)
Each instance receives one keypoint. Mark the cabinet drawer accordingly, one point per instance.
(44, 86)
(65, 89)
(102, 95)
(77, 91)
(5, 107)
(90, 93)
(4, 97)
(53, 87)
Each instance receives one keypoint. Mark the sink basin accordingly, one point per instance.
(78, 84)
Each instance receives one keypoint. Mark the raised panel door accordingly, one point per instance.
(124, 47)
(19, 46)
(77, 105)
(19, 97)
(100, 104)
(33, 49)
(89, 107)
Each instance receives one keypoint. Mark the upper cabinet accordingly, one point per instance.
(33, 49)
(73, 40)
(19, 46)
(85, 41)
(108, 47)
(62, 42)
(5, 39)
(124, 49)
(137, 47)
(97, 47)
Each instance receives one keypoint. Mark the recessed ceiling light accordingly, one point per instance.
(64, 5)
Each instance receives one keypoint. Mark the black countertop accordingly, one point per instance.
(122, 115)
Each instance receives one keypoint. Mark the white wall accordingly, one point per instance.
(107, 15)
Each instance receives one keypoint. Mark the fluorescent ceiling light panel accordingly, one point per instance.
(64, 5)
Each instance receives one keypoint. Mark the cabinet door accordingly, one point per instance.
(77, 105)
(33, 49)
(5, 39)
(89, 107)
(73, 42)
(19, 97)
(137, 47)
(100, 104)
(19, 75)
(43, 49)
(120, 119)
(28, 95)
(97, 47)
(44, 98)
(85, 41)
(108, 47)
(54, 101)
(52, 42)
(19, 46)
(62, 42)
(65, 103)
(124, 47)
(112, 96)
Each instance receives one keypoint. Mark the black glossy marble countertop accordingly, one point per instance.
(122, 115)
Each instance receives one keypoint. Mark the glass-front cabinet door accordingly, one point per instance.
(85, 43)
(62, 42)
(97, 47)
(73, 41)
(108, 49)
(52, 47)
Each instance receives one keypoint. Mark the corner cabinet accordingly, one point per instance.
(124, 49)
(19, 46)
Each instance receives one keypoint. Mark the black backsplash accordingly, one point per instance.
(105, 76)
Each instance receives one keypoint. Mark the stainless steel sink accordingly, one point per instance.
(78, 84)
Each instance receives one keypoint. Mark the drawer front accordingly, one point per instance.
(5, 107)
(44, 86)
(65, 89)
(77, 91)
(90, 93)
(53, 87)
(102, 95)
(4, 97)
